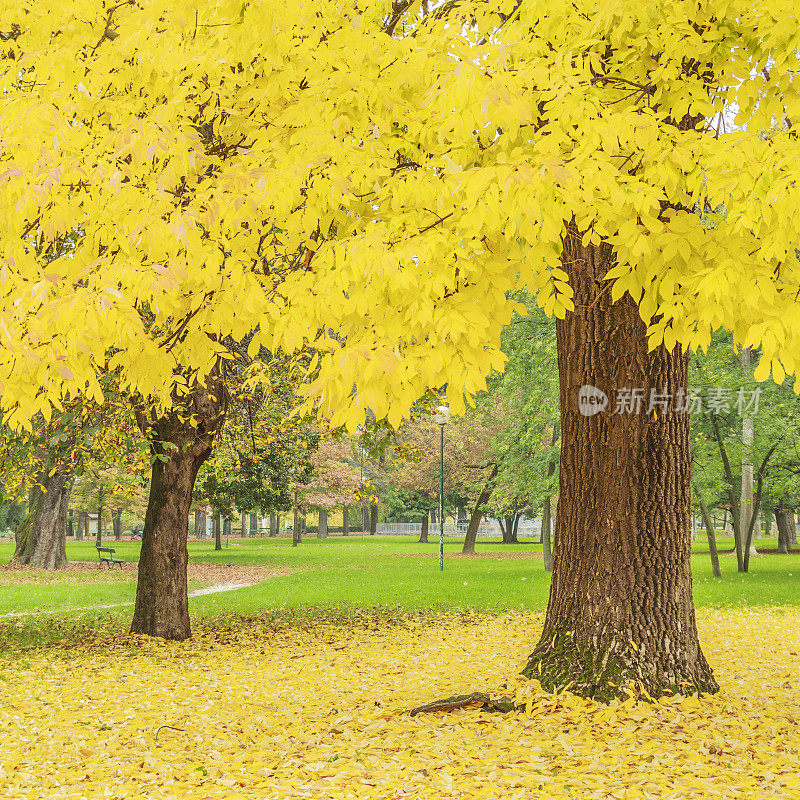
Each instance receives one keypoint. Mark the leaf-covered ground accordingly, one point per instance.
(316, 709)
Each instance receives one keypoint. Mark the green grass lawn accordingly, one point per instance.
(385, 571)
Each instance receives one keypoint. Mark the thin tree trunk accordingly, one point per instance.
(116, 521)
(296, 534)
(273, 525)
(423, 537)
(477, 514)
(738, 535)
(198, 519)
(346, 521)
(100, 498)
(216, 530)
(710, 533)
(41, 537)
(244, 524)
(71, 524)
(162, 599)
(322, 526)
(620, 613)
(746, 498)
(80, 529)
(253, 524)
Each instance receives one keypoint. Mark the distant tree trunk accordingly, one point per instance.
(71, 524)
(41, 537)
(116, 521)
(296, 533)
(782, 515)
(273, 525)
(253, 524)
(80, 528)
(346, 521)
(477, 513)
(746, 502)
(510, 528)
(373, 519)
(423, 537)
(322, 525)
(710, 533)
(620, 612)
(793, 528)
(198, 517)
(100, 507)
(216, 531)
(162, 598)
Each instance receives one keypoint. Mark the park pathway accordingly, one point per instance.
(221, 587)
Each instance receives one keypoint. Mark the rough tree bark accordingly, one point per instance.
(179, 448)
(116, 521)
(477, 514)
(423, 536)
(620, 612)
(346, 521)
(273, 525)
(42, 535)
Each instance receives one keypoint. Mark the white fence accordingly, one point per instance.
(527, 529)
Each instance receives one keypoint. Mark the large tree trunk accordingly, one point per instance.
(620, 611)
(423, 537)
(477, 514)
(346, 521)
(41, 537)
(162, 600)
(253, 524)
(273, 525)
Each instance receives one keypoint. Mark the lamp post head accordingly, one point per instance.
(442, 415)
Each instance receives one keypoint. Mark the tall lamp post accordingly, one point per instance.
(441, 418)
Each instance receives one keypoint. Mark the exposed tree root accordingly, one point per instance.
(486, 702)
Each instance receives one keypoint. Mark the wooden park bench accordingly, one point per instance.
(106, 556)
